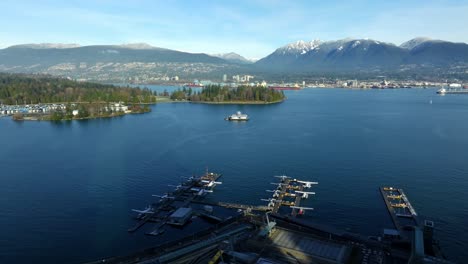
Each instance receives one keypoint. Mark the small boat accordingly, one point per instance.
(237, 117)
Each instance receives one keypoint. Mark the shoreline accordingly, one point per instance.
(225, 102)
(239, 102)
(158, 100)
(33, 118)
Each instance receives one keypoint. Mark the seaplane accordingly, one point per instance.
(301, 209)
(177, 187)
(147, 210)
(163, 197)
(271, 202)
(305, 195)
(307, 184)
(280, 185)
(210, 183)
(200, 191)
(276, 193)
(282, 177)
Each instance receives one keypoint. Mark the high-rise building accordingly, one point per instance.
(225, 78)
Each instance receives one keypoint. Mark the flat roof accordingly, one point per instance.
(181, 212)
(328, 250)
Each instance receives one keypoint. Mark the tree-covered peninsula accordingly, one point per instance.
(41, 97)
(225, 95)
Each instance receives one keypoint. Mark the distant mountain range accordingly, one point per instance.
(233, 57)
(99, 62)
(364, 54)
(52, 54)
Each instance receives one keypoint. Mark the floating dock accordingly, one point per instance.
(160, 212)
(403, 215)
(290, 193)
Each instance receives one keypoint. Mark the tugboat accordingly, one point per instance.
(237, 117)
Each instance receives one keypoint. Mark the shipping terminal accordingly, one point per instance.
(193, 230)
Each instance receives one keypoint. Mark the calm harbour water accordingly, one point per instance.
(67, 188)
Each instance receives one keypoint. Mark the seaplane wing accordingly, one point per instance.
(301, 208)
(163, 196)
(148, 210)
(283, 177)
(177, 187)
(279, 184)
(270, 200)
(307, 184)
(200, 190)
(302, 192)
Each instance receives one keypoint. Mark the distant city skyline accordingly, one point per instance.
(252, 29)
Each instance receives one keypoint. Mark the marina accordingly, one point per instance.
(172, 208)
(266, 234)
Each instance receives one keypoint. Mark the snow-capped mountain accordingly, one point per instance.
(48, 46)
(410, 44)
(137, 46)
(299, 47)
(362, 54)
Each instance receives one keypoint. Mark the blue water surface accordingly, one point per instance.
(67, 188)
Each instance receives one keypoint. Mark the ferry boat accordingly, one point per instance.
(237, 117)
(452, 91)
(453, 88)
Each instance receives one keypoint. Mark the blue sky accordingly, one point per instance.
(252, 28)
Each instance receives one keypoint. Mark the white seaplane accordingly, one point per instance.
(210, 184)
(307, 184)
(163, 197)
(200, 191)
(177, 187)
(276, 193)
(271, 202)
(305, 195)
(283, 177)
